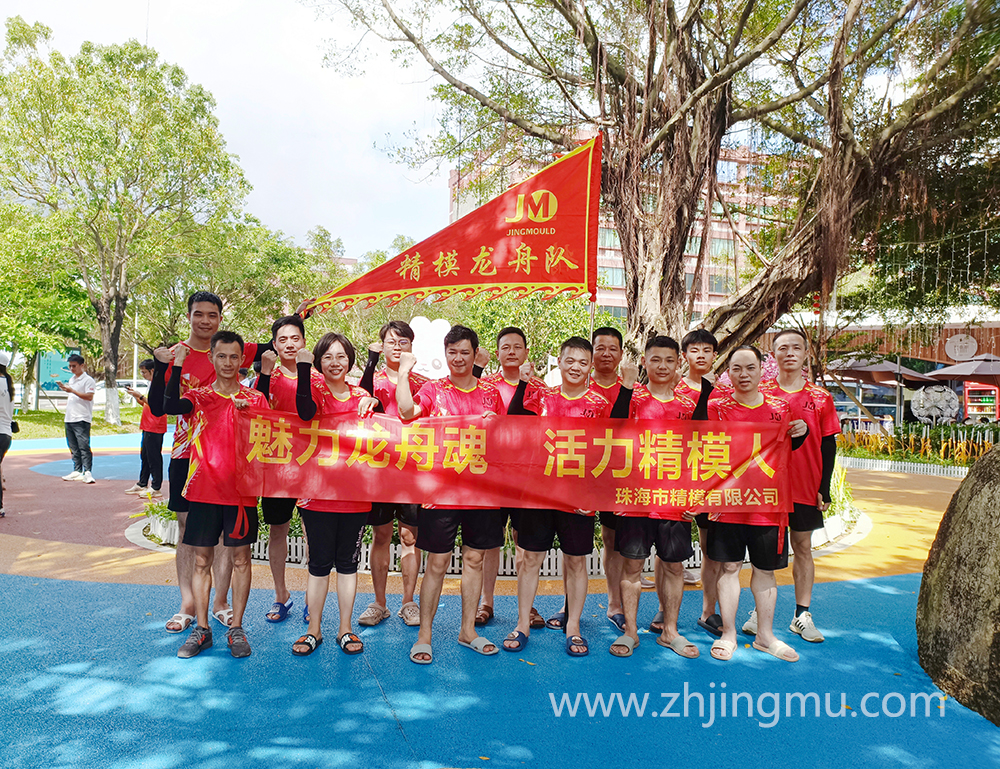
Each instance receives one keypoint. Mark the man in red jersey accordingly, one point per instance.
(811, 468)
(608, 343)
(512, 352)
(396, 338)
(288, 336)
(637, 533)
(204, 315)
(460, 393)
(731, 535)
(214, 506)
(538, 528)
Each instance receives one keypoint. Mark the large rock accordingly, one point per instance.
(958, 613)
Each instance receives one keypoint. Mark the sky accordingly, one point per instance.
(307, 137)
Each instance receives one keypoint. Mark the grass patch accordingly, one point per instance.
(50, 424)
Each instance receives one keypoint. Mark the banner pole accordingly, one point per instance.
(593, 312)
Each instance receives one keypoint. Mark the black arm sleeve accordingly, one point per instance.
(367, 382)
(701, 410)
(828, 450)
(304, 403)
(262, 347)
(622, 403)
(477, 372)
(173, 403)
(157, 388)
(516, 406)
(263, 385)
(797, 442)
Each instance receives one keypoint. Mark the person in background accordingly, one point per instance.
(6, 414)
(151, 447)
(79, 414)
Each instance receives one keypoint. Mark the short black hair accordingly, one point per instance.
(699, 336)
(784, 331)
(204, 296)
(326, 342)
(401, 327)
(75, 358)
(751, 348)
(665, 342)
(226, 337)
(576, 343)
(511, 330)
(288, 320)
(607, 331)
(458, 333)
(146, 364)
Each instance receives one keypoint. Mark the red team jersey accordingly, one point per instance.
(198, 372)
(440, 398)
(815, 405)
(331, 405)
(683, 388)
(385, 390)
(150, 424)
(611, 393)
(282, 388)
(772, 410)
(507, 389)
(213, 462)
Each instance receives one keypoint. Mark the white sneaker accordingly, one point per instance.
(750, 626)
(152, 493)
(803, 625)
(88, 478)
(136, 489)
(76, 475)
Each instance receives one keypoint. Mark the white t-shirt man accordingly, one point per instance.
(80, 409)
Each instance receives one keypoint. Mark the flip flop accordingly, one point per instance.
(479, 645)
(535, 620)
(484, 615)
(618, 620)
(678, 645)
(777, 649)
(557, 621)
(628, 642)
(184, 620)
(723, 650)
(223, 617)
(712, 625)
(656, 624)
(516, 635)
(307, 640)
(577, 640)
(421, 649)
(281, 609)
(350, 638)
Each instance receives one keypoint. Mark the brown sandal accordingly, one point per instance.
(484, 615)
(535, 620)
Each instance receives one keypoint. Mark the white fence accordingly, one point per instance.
(913, 468)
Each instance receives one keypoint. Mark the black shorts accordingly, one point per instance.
(610, 519)
(635, 537)
(438, 527)
(206, 521)
(805, 518)
(538, 529)
(177, 473)
(729, 543)
(276, 510)
(334, 541)
(385, 512)
(702, 520)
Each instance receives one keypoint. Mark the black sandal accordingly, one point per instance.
(350, 638)
(307, 640)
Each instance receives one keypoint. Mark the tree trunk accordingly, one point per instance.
(110, 312)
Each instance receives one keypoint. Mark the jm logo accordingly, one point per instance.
(540, 206)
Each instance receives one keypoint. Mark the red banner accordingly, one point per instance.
(562, 463)
(538, 236)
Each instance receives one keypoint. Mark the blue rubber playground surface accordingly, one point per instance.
(88, 678)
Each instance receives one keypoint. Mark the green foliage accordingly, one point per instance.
(50, 424)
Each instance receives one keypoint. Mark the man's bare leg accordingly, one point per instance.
(409, 561)
(277, 554)
(184, 562)
(612, 571)
(491, 568)
(430, 594)
(527, 589)
(803, 566)
(472, 586)
(709, 579)
(241, 582)
(222, 576)
(201, 582)
(729, 598)
(765, 594)
(575, 578)
(631, 590)
(671, 591)
(381, 541)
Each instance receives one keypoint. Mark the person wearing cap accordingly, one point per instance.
(79, 414)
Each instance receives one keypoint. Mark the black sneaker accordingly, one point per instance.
(238, 644)
(200, 639)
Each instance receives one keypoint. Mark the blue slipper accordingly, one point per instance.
(281, 609)
(305, 615)
(517, 635)
(618, 620)
(576, 640)
(557, 621)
